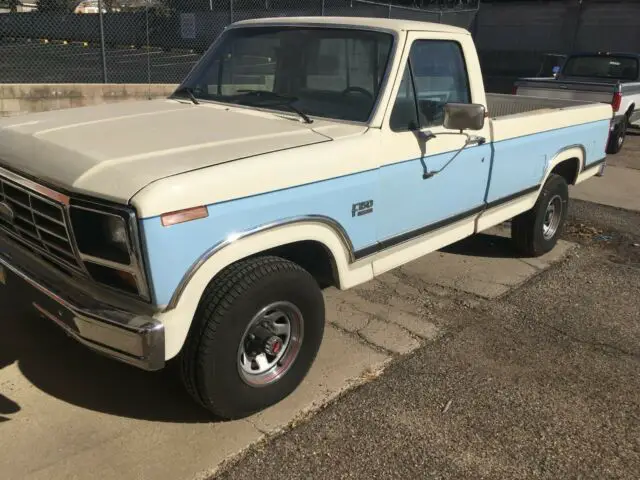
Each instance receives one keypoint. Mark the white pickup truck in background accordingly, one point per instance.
(612, 78)
(298, 153)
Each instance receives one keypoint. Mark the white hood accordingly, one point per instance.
(113, 151)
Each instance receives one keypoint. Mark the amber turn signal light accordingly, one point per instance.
(182, 216)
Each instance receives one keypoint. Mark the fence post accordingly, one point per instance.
(323, 8)
(231, 11)
(102, 45)
(146, 8)
(389, 15)
(578, 26)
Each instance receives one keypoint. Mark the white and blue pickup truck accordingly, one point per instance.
(299, 153)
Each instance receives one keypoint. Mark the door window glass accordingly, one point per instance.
(439, 76)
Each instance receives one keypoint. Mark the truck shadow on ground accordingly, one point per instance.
(57, 365)
(60, 367)
(484, 245)
(7, 406)
(7, 358)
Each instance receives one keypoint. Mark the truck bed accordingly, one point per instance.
(587, 90)
(501, 105)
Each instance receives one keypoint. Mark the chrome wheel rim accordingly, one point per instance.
(270, 344)
(552, 217)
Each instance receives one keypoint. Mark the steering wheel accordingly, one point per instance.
(358, 90)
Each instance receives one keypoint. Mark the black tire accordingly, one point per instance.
(616, 142)
(527, 229)
(211, 370)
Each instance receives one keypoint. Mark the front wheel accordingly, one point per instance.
(256, 333)
(536, 231)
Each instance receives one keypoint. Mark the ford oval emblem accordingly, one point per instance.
(6, 212)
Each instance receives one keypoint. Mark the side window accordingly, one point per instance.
(439, 77)
(343, 63)
(404, 115)
(246, 65)
(327, 71)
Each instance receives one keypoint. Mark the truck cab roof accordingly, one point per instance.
(391, 25)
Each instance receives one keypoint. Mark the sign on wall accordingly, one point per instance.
(188, 25)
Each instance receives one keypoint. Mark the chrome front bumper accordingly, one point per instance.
(133, 338)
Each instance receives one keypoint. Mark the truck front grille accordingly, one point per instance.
(39, 223)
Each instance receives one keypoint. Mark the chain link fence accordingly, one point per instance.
(158, 41)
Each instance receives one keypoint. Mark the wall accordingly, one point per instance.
(513, 37)
(19, 99)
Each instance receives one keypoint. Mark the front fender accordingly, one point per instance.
(178, 315)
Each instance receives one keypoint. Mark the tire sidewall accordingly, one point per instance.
(219, 367)
(617, 141)
(555, 185)
(622, 135)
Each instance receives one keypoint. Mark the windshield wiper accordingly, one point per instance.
(280, 100)
(189, 92)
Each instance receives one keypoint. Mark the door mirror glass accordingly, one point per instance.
(464, 116)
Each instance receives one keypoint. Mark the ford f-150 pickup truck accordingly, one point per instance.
(612, 78)
(297, 154)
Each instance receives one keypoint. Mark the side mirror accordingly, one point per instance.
(464, 116)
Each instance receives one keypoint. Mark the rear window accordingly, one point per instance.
(623, 68)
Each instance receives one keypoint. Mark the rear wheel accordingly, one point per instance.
(616, 141)
(255, 335)
(536, 231)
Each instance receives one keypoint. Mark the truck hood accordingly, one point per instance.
(113, 151)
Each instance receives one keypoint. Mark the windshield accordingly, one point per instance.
(622, 68)
(323, 72)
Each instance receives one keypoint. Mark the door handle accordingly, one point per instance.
(471, 140)
(476, 140)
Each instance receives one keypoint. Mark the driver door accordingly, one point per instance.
(423, 187)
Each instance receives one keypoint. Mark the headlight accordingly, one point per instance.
(104, 241)
(101, 235)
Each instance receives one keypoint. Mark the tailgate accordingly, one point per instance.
(566, 90)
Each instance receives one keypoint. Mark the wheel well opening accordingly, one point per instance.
(313, 256)
(568, 169)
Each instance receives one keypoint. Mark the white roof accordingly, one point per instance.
(363, 22)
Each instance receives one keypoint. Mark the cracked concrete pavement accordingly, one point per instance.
(65, 411)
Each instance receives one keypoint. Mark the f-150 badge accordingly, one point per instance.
(362, 208)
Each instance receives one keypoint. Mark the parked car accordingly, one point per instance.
(200, 229)
(612, 78)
